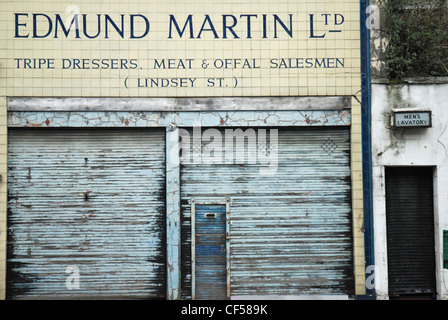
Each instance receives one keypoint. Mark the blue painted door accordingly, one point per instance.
(210, 252)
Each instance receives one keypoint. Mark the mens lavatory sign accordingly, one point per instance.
(181, 48)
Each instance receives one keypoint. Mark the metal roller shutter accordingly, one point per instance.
(87, 199)
(410, 230)
(290, 232)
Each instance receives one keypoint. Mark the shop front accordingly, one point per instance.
(182, 151)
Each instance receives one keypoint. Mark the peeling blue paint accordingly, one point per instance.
(180, 119)
(173, 212)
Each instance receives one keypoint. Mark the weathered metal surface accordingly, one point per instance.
(178, 104)
(93, 199)
(193, 248)
(290, 232)
(210, 277)
(80, 119)
(445, 248)
(228, 269)
(410, 230)
(173, 212)
(332, 113)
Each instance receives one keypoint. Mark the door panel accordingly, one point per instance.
(210, 249)
(410, 230)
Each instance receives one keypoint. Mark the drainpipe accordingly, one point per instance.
(367, 151)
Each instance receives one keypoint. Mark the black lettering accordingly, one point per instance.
(50, 25)
(188, 22)
(84, 26)
(249, 16)
(95, 64)
(230, 28)
(208, 21)
(278, 20)
(66, 32)
(147, 26)
(17, 25)
(340, 63)
(133, 64)
(108, 20)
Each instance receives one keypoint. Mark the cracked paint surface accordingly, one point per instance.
(179, 119)
(173, 212)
